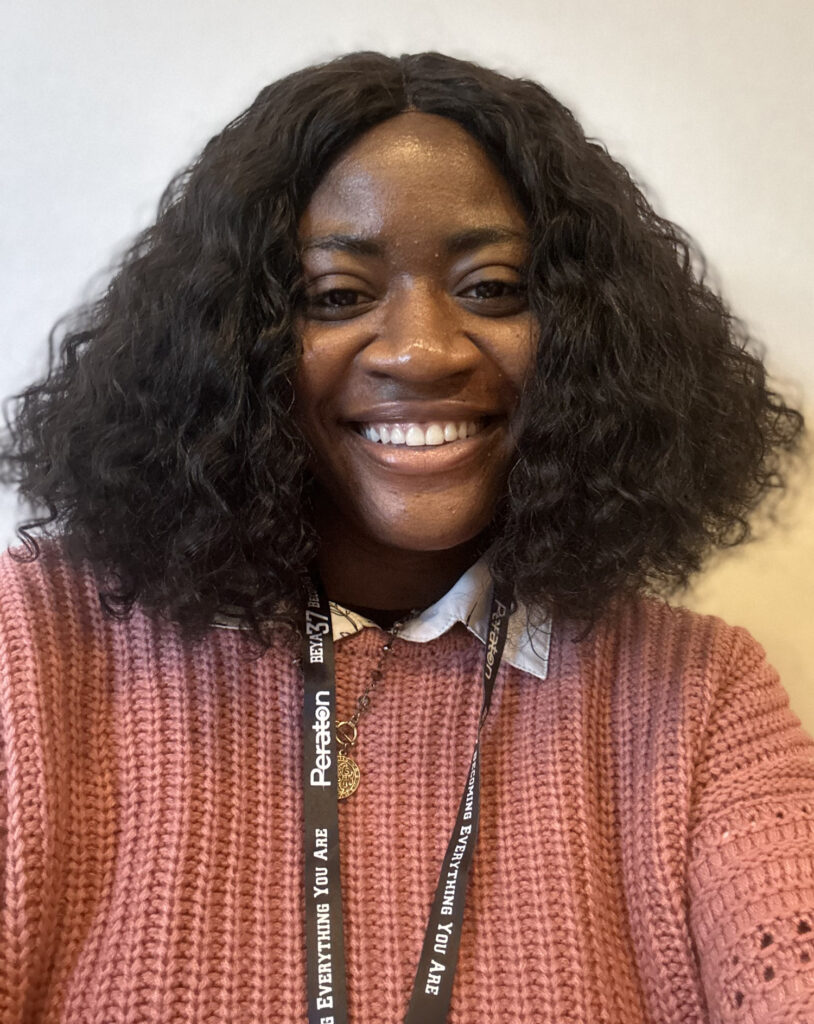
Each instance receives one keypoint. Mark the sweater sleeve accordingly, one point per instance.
(751, 856)
(3, 817)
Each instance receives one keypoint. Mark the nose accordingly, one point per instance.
(421, 337)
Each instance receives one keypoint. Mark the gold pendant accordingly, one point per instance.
(347, 775)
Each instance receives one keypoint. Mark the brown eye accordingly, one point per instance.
(496, 289)
(336, 303)
(336, 297)
(497, 297)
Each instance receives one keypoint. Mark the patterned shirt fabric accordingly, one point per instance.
(646, 852)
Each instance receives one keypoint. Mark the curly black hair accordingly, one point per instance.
(161, 444)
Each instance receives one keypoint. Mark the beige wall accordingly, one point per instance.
(706, 101)
(768, 587)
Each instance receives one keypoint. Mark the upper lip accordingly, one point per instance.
(421, 412)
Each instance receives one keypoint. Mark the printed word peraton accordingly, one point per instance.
(322, 745)
(498, 615)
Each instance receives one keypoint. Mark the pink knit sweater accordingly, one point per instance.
(646, 848)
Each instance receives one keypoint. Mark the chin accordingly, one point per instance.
(425, 537)
(408, 519)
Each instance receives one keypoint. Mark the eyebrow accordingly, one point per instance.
(453, 245)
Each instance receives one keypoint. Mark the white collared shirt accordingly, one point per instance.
(468, 601)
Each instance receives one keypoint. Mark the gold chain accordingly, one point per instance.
(346, 731)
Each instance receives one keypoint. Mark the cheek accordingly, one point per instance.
(519, 361)
(512, 351)
(315, 382)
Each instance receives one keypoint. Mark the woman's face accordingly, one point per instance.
(416, 334)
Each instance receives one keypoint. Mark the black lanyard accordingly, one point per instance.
(432, 988)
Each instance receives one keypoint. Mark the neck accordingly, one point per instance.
(359, 572)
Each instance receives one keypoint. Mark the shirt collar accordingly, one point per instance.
(527, 641)
(468, 601)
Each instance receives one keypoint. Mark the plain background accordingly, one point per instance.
(707, 103)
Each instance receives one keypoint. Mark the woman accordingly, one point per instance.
(401, 339)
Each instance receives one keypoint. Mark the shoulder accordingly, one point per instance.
(51, 615)
(653, 630)
(683, 666)
(52, 626)
(51, 569)
(47, 594)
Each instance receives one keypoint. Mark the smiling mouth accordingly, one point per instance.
(420, 435)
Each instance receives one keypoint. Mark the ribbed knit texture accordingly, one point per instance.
(646, 850)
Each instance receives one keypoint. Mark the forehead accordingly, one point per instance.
(415, 174)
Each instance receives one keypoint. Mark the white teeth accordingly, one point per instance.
(419, 435)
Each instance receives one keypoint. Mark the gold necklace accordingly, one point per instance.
(347, 770)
